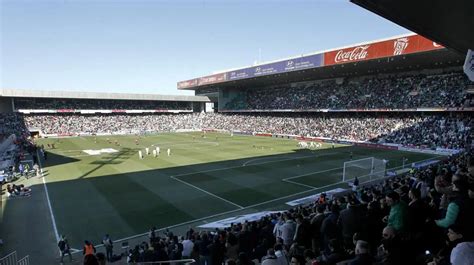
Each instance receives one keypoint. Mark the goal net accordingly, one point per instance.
(365, 169)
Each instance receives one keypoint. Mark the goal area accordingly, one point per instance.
(365, 169)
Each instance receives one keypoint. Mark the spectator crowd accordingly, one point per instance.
(448, 131)
(99, 104)
(393, 92)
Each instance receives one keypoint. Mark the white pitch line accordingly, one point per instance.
(53, 220)
(207, 192)
(312, 173)
(286, 159)
(232, 167)
(297, 183)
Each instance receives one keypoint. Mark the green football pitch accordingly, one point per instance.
(205, 175)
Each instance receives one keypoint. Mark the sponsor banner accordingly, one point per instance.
(238, 219)
(241, 74)
(241, 133)
(309, 139)
(344, 142)
(188, 83)
(420, 150)
(118, 111)
(295, 64)
(89, 111)
(188, 130)
(263, 134)
(65, 134)
(139, 111)
(212, 79)
(314, 197)
(50, 135)
(285, 136)
(468, 66)
(65, 110)
(460, 109)
(430, 109)
(448, 151)
(388, 48)
(377, 146)
(305, 62)
(423, 164)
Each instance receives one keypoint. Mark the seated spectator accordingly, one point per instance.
(297, 260)
(270, 258)
(335, 254)
(362, 251)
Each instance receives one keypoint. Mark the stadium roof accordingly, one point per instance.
(450, 23)
(97, 95)
(400, 53)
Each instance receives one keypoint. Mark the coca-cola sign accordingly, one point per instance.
(356, 54)
(381, 49)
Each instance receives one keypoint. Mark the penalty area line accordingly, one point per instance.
(207, 192)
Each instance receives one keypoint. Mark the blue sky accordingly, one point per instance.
(146, 46)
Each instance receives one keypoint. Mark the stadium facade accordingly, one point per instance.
(31, 101)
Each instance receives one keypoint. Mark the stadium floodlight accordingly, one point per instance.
(367, 168)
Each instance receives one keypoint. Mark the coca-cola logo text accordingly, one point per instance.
(356, 54)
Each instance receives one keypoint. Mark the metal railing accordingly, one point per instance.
(10, 259)
(25, 260)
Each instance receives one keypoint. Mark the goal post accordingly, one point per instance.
(365, 169)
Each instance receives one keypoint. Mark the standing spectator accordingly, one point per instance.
(315, 229)
(397, 217)
(355, 184)
(152, 235)
(188, 245)
(217, 251)
(288, 230)
(302, 233)
(109, 246)
(204, 253)
(329, 229)
(88, 249)
(21, 169)
(418, 214)
(64, 247)
(351, 221)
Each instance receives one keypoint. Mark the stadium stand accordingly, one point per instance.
(430, 131)
(447, 90)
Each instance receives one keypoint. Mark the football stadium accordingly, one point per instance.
(360, 154)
